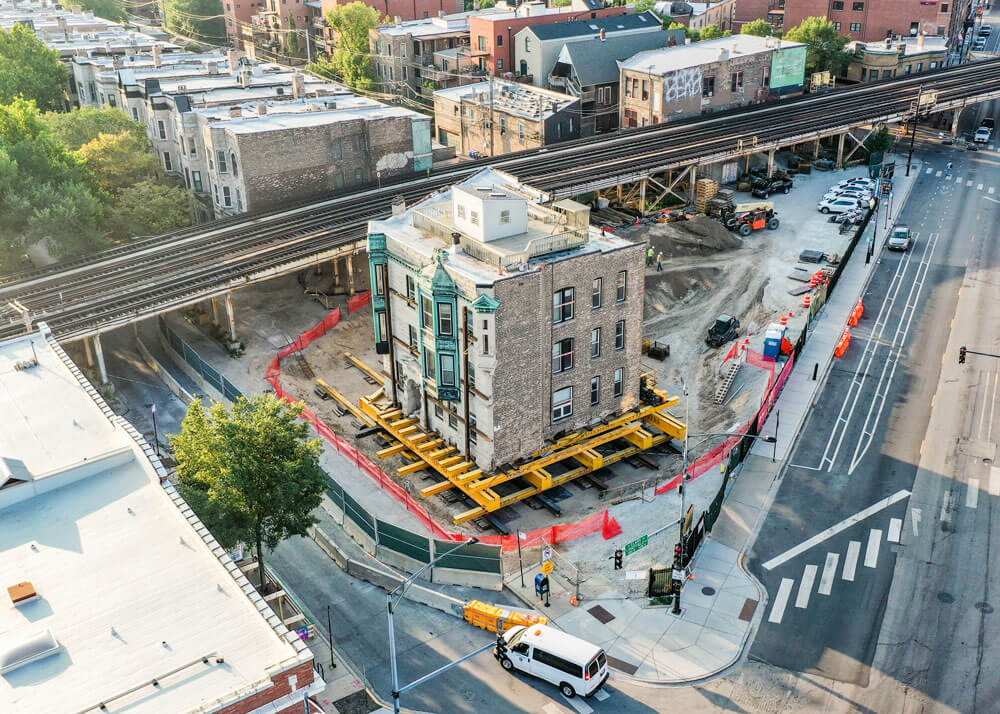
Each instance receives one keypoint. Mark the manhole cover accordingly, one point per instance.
(985, 608)
(707, 591)
(946, 598)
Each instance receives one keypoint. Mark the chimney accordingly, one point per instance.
(212, 67)
(298, 85)
(244, 78)
(604, 35)
(261, 109)
(156, 54)
(233, 59)
(920, 40)
(235, 112)
(456, 243)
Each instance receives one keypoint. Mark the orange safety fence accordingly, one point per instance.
(358, 301)
(602, 522)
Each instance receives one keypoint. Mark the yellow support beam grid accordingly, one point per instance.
(366, 369)
(344, 402)
(388, 451)
(642, 428)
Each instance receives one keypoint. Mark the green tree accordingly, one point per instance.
(564, 3)
(825, 48)
(116, 161)
(75, 128)
(29, 69)
(641, 5)
(109, 9)
(148, 208)
(293, 36)
(351, 62)
(710, 32)
(252, 474)
(692, 34)
(881, 140)
(200, 20)
(760, 28)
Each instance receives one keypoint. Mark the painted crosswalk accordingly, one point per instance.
(938, 174)
(805, 586)
(895, 529)
(829, 573)
(994, 487)
(929, 170)
(781, 601)
(851, 561)
(871, 552)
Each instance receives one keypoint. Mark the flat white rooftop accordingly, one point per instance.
(126, 585)
(670, 59)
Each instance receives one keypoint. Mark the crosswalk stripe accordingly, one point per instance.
(979, 187)
(871, 552)
(972, 495)
(829, 572)
(959, 179)
(780, 601)
(895, 528)
(929, 170)
(938, 174)
(805, 586)
(600, 695)
(969, 183)
(578, 704)
(994, 481)
(992, 190)
(851, 560)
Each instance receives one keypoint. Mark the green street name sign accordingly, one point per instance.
(637, 544)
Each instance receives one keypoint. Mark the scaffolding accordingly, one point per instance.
(586, 451)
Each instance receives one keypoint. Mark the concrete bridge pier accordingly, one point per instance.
(770, 163)
(840, 148)
(101, 368)
(90, 354)
(350, 275)
(215, 312)
(231, 315)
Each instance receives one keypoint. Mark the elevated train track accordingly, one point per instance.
(103, 291)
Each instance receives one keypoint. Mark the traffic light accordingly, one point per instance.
(678, 559)
(618, 558)
(961, 355)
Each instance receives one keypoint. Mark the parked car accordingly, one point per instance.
(899, 239)
(859, 195)
(988, 123)
(765, 188)
(982, 135)
(980, 44)
(837, 205)
(986, 30)
(725, 328)
(574, 665)
(860, 181)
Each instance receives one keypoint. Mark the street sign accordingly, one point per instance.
(547, 553)
(637, 544)
(548, 567)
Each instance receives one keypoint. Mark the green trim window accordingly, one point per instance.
(411, 288)
(447, 362)
(429, 369)
(446, 321)
(426, 312)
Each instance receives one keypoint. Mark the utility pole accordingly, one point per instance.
(491, 115)
(678, 583)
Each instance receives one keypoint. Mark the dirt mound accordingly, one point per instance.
(698, 236)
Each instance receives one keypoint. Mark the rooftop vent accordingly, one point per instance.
(14, 655)
(22, 594)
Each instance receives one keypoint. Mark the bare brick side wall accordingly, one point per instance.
(281, 688)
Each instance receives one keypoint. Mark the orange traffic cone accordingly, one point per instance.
(806, 301)
(784, 320)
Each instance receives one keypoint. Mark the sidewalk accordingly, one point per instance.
(723, 604)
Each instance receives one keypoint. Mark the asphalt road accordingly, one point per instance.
(863, 443)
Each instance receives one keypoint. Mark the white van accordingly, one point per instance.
(572, 664)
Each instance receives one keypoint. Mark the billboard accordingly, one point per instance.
(788, 69)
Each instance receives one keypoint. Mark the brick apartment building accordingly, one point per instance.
(712, 75)
(492, 36)
(505, 322)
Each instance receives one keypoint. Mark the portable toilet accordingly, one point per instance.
(772, 342)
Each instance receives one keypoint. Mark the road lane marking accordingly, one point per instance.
(806, 586)
(994, 481)
(780, 601)
(972, 494)
(829, 573)
(929, 170)
(979, 187)
(895, 528)
(991, 199)
(851, 560)
(835, 529)
(915, 519)
(871, 552)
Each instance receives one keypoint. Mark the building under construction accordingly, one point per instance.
(512, 334)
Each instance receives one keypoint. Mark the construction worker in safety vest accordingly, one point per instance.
(649, 255)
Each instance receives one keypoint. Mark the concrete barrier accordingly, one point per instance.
(360, 537)
(397, 560)
(468, 578)
(190, 371)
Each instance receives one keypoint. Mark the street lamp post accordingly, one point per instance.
(391, 604)
(678, 582)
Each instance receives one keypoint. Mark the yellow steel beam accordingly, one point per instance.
(391, 450)
(365, 368)
(439, 487)
(674, 428)
(463, 479)
(458, 468)
(403, 423)
(426, 445)
(591, 459)
(440, 453)
(641, 438)
(443, 464)
(412, 468)
(343, 401)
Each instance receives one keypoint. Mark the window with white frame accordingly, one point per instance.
(505, 216)
(227, 197)
(411, 288)
(595, 293)
(620, 286)
(447, 370)
(562, 403)
(220, 159)
(446, 322)
(595, 343)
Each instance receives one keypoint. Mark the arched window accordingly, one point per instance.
(232, 160)
(524, 68)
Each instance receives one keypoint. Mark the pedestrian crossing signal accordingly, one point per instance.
(961, 355)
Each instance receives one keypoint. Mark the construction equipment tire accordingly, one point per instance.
(745, 230)
(772, 225)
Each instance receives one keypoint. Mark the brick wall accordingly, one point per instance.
(404, 9)
(294, 164)
(303, 675)
(523, 382)
(875, 18)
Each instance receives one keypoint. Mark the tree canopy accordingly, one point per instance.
(29, 69)
(760, 28)
(825, 49)
(115, 161)
(711, 32)
(109, 9)
(148, 208)
(691, 34)
(351, 62)
(200, 20)
(76, 128)
(251, 474)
